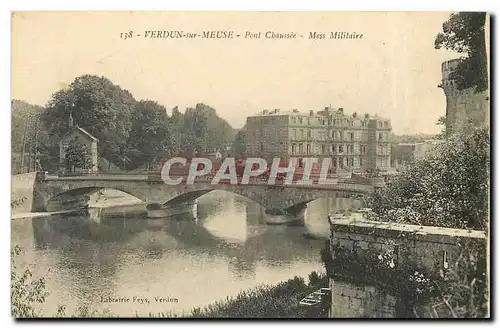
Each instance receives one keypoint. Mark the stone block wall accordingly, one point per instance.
(429, 248)
(22, 188)
(355, 301)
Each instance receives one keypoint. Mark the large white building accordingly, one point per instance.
(354, 142)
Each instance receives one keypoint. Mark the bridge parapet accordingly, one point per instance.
(342, 185)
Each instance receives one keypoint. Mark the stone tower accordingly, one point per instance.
(462, 106)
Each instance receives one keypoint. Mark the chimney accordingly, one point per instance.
(311, 113)
(341, 110)
(367, 115)
(264, 111)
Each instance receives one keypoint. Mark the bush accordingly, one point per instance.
(448, 188)
(24, 291)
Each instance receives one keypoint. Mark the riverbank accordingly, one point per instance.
(38, 215)
(265, 301)
(278, 301)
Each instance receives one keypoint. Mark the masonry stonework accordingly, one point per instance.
(463, 106)
(430, 248)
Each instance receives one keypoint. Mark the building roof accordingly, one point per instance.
(317, 113)
(82, 131)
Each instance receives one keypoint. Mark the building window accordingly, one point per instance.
(293, 148)
(308, 148)
(300, 120)
(334, 135)
(301, 134)
(380, 136)
(360, 161)
(261, 147)
(334, 162)
(341, 148)
(323, 149)
(309, 134)
(386, 125)
(352, 135)
(333, 148)
(294, 134)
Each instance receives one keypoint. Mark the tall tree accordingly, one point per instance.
(464, 32)
(239, 144)
(150, 134)
(97, 105)
(26, 135)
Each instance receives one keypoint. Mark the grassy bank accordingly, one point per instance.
(266, 301)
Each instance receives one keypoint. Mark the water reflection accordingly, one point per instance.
(226, 248)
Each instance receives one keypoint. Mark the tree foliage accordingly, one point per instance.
(98, 106)
(203, 131)
(464, 33)
(25, 291)
(26, 132)
(131, 133)
(77, 155)
(150, 133)
(442, 123)
(239, 144)
(448, 188)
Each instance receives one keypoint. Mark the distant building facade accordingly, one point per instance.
(462, 106)
(353, 142)
(402, 154)
(84, 138)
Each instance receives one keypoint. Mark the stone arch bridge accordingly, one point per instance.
(52, 190)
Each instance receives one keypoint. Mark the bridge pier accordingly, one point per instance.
(293, 216)
(156, 210)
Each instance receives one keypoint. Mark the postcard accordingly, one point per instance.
(250, 165)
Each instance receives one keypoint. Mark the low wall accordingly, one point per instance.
(22, 187)
(432, 249)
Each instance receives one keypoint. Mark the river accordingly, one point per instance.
(187, 262)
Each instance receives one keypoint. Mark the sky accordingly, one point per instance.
(392, 71)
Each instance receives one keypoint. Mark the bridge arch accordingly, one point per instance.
(78, 197)
(192, 195)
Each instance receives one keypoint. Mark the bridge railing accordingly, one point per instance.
(341, 185)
